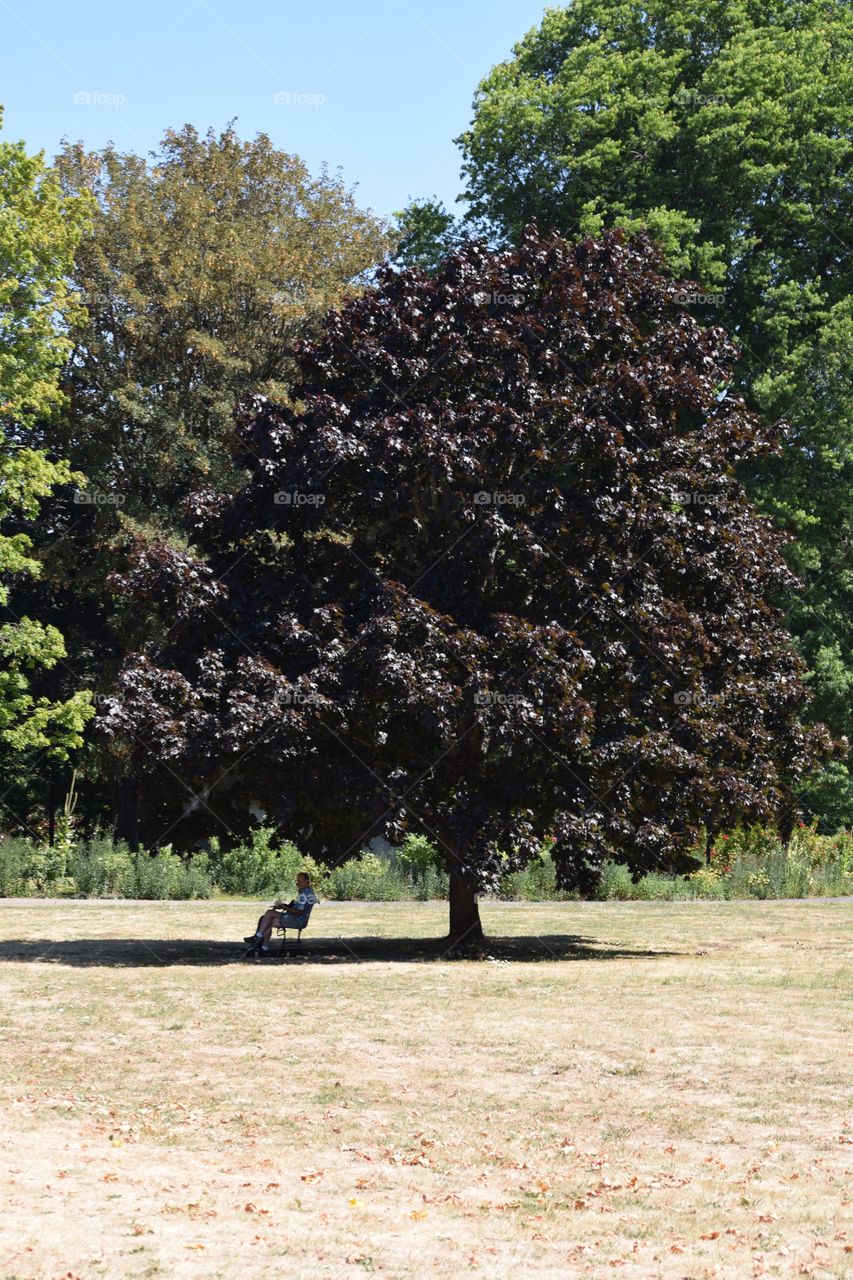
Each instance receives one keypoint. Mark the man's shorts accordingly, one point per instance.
(288, 921)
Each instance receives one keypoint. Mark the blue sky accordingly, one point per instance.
(379, 88)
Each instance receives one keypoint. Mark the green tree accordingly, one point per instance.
(426, 234)
(725, 130)
(203, 267)
(201, 270)
(39, 230)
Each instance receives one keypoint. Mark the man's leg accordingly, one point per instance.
(263, 932)
(265, 926)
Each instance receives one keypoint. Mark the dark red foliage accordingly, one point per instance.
(495, 580)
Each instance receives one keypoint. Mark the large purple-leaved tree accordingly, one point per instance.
(492, 578)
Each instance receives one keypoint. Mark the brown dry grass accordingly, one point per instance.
(633, 1089)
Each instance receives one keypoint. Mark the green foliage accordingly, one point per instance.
(718, 127)
(165, 875)
(615, 882)
(28, 722)
(426, 234)
(537, 882)
(99, 868)
(263, 866)
(104, 869)
(417, 854)
(12, 853)
(830, 795)
(202, 267)
(422, 866)
(367, 877)
(31, 870)
(39, 230)
(751, 862)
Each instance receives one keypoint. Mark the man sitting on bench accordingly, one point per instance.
(287, 915)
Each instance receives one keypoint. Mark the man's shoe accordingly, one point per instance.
(263, 951)
(252, 939)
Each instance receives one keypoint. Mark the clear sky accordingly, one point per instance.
(377, 88)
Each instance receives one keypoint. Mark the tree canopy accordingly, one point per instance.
(39, 230)
(493, 578)
(725, 131)
(201, 267)
(426, 233)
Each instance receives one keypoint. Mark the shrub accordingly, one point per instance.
(658, 888)
(417, 855)
(165, 875)
(615, 882)
(746, 863)
(758, 865)
(707, 883)
(196, 882)
(103, 869)
(429, 884)
(158, 875)
(12, 854)
(32, 870)
(537, 882)
(265, 866)
(367, 877)
(420, 864)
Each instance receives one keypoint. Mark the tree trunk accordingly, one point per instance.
(465, 926)
(786, 826)
(51, 812)
(126, 809)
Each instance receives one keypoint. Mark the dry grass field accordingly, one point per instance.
(621, 1089)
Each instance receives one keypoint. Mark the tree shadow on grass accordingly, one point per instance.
(144, 953)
